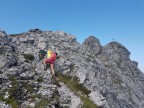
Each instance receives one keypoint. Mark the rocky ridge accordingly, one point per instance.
(114, 81)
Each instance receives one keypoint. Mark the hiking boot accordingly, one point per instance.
(56, 74)
(45, 67)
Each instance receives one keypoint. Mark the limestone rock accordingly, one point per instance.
(92, 46)
(107, 71)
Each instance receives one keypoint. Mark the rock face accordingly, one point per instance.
(107, 71)
(91, 46)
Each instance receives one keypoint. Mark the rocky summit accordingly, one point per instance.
(89, 75)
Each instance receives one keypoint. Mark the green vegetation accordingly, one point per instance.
(40, 79)
(78, 89)
(1, 95)
(33, 96)
(29, 87)
(108, 66)
(12, 91)
(74, 85)
(12, 102)
(13, 79)
(42, 103)
(117, 81)
(87, 103)
(28, 57)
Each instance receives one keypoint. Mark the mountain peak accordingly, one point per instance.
(117, 48)
(91, 46)
(102, 75)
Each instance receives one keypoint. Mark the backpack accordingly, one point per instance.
(42, 54)
(51, 55)
(54, 56)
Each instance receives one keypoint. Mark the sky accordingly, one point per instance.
(108, 20)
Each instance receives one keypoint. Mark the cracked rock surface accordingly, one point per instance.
(114, 80)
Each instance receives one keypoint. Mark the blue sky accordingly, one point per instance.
(122, 20)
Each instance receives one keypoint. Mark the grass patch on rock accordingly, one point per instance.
(11, 100)
(117, 81)
(42, 104)
(87, 103)
(29, 57)
(74, 84)
(78, 89)
(40, 79)
(1, 95)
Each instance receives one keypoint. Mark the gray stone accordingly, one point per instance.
(92, 46)
(4, 105)
(107, 71)
(23, 40)
(69, 98)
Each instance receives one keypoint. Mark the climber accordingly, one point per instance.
(51, 57)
